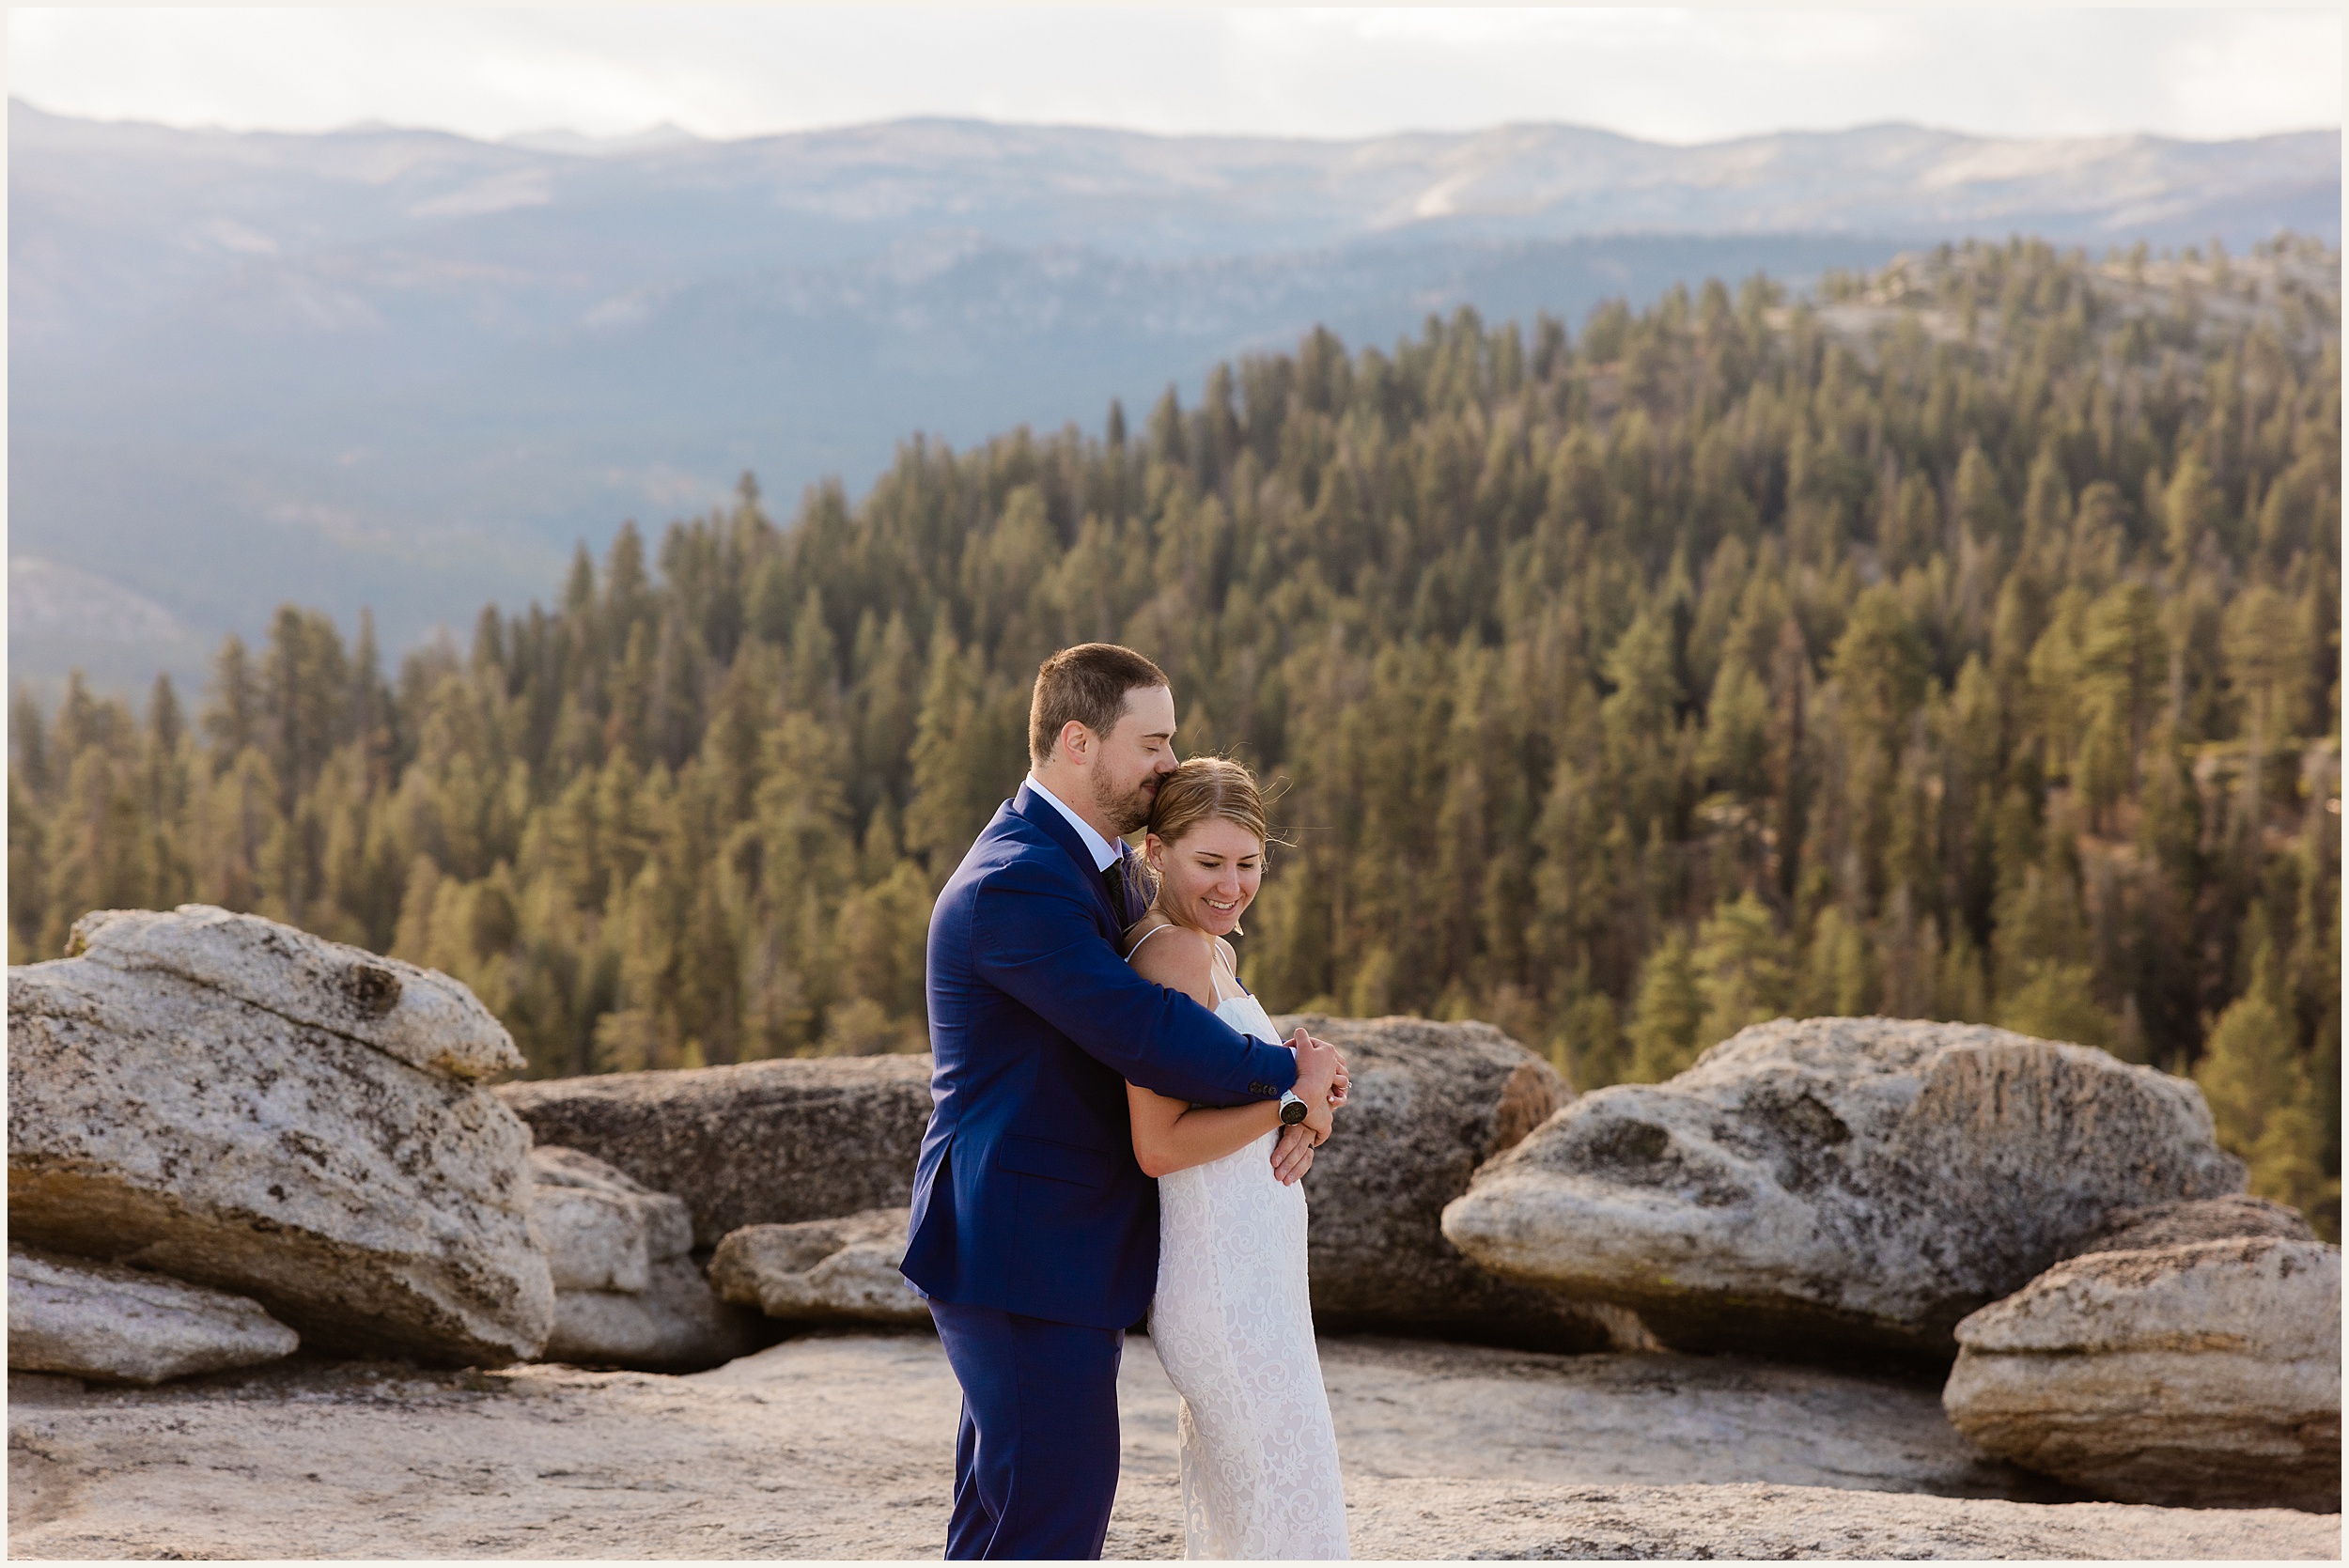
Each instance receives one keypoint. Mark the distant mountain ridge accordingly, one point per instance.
(1168, 196)
(408, 368)
(582, 145)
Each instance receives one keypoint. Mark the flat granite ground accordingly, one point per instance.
(841, 1446)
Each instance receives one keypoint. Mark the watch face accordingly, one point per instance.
(1292, 1113)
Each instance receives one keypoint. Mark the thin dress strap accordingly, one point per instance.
(1145, 936)
(1215, 968)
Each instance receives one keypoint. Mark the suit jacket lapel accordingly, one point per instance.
(1041, 813)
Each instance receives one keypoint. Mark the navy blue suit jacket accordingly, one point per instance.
(1027, 1196)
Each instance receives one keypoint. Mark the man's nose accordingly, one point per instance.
(1166, 763)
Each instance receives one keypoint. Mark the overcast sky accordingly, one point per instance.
(1667, 76)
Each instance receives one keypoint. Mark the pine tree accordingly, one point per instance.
(1743, 968)
(1668, 1013)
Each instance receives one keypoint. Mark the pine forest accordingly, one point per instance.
(1958, 642)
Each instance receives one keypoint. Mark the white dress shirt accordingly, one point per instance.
(1103, 850)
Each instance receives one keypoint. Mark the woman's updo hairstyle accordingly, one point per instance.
(1204, 788)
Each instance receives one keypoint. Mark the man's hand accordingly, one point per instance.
(1321, 1083)
(1318, 1065)
(1293, 1156)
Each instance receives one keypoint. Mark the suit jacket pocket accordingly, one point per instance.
(1060, 1162)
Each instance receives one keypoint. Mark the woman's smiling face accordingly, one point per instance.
(1209, 875)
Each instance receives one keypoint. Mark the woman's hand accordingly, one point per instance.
(1292, 1154)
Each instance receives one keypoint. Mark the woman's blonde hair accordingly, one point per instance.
(1208, 787)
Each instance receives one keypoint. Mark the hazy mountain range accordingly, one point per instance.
(409, 369)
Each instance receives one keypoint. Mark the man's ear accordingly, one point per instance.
(1077, 738)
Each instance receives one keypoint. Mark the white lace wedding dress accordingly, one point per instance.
(1233, 1324)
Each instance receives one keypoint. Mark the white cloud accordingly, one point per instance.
(1673, 75)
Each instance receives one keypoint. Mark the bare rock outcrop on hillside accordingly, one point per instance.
(1430, 1103)
(822, 1271)
(787, 1142)
(628, 1291)
(761, 1144)
(241, 1105)
(835, 1446)
(2206, 1374)
(1838, 1185)
(117, 1325)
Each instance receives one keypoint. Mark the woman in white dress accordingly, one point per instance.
(1232, 1318)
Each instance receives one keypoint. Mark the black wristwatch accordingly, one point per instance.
(1293, 1109)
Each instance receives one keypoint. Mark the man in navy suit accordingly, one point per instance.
(1034, 1233)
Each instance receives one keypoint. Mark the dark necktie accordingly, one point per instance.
(1115, 878)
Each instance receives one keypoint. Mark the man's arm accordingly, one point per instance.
(1034, 939)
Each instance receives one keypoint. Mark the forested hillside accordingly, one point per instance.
(1962, 644)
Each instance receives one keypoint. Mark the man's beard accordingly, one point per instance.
(1129, 811)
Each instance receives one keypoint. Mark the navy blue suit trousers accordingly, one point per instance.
(1036, 1457)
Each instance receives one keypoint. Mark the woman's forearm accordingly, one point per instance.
(1198, 1136)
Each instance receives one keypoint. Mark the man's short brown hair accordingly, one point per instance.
(1087, 683)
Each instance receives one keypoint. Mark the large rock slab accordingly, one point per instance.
(627, 1292)
(603, 1228)
(841, 1446)
(2182, 1224)
(417, 1015)
(822, 1271)
(1430, 1102)
(675, 1324)
(1838, 1186)
(348, 1175)
(761, 1144)
(2206, 1374)
(117, 1324)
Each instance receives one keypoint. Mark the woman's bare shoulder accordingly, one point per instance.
(1175, 960)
